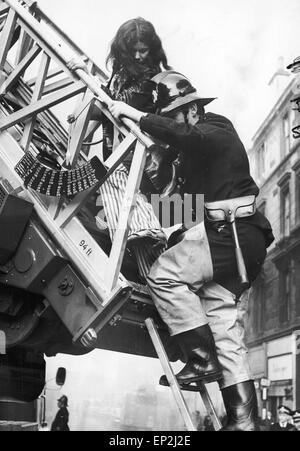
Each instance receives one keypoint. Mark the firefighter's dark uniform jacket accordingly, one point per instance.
(214, 163)
(60, 422)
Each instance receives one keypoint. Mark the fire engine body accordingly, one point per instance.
(61, 278)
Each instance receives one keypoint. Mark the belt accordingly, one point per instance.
(228, 210)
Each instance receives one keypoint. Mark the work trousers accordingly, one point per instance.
(186, 297)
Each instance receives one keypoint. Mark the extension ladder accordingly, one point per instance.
(25, 107)
(87, 293)
(176, 390)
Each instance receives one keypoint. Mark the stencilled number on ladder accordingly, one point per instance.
(85, 247)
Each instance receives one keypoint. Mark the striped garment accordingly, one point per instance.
(143, 219)
(135, 90)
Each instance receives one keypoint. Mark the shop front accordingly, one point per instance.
(281, 372)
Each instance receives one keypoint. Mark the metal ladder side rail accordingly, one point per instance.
(177, 393)
(40, 15)
(23, 92)
(210, 409)
(116, 158)
(93, 292)
(56, 50)
(89, 265)
(176, 390)
(70, 234)
(96, 88)
(89, 81)
(25, 44)
(63, 54)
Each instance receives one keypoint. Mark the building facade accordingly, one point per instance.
(273, 328)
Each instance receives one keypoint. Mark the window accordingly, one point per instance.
(286, 134)
(296, 168)
(261, 161)
(285, 212)
(297, 286)
(285, 204)
(285, 295)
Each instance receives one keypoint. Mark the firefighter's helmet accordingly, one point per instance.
(174, 90)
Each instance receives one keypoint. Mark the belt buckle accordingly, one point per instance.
(228, 210)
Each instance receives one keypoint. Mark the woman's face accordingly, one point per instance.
(140, 51)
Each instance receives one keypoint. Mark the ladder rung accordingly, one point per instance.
(176, 389)
(209, 406)
(180, 401)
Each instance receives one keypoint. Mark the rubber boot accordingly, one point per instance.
(241, 406)
(198, 346)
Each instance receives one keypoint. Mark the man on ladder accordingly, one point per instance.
(199, 284)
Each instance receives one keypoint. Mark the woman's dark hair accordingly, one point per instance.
(121, 51)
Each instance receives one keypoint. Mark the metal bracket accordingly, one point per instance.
(66, 286)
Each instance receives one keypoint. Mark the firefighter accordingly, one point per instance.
(195, 284)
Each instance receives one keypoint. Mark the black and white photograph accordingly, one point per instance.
(149, 218)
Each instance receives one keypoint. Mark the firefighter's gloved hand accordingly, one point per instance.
(88, 340)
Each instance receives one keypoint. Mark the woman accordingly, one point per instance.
(136, 55)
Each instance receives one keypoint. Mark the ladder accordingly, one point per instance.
(85, 286)
(36, 44)
(176, 390)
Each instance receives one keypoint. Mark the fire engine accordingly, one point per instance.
(65, 286)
